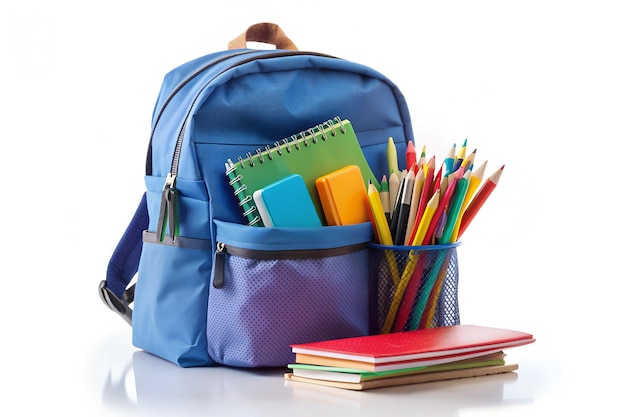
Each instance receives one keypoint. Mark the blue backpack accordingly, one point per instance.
(198, 285)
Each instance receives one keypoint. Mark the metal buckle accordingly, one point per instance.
(120, 306)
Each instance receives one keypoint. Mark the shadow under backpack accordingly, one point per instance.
(199, 286)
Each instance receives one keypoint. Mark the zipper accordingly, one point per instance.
(168, 208)
(169, 190)
(190, 77)
(221, 250)
(181, 133)
(175, 91)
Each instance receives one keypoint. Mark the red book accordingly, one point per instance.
(413, 348)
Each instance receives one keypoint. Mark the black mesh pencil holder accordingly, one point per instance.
(413, 287)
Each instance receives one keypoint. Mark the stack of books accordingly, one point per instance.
(426, 355)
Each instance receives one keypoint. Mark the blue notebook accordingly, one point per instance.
(286, 203)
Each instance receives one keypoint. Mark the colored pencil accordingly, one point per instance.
(412, 286)
(454, 210)
(392, 157)
(479, 200)
(382, 228)
(428, 238)
(380, 223)
(384, 197)
(434, 298)
(449, 160)
(460, 156)
(426, 194)
(427, 287)
(418, 183)
(469, 161)
(474, 182)
(410, 155)
(404, 208)
(394, 187)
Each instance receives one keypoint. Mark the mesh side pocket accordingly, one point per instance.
(414, 288)
(267, 305)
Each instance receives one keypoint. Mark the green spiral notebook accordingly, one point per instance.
(312, 153)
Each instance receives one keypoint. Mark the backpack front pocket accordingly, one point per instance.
(263, 300)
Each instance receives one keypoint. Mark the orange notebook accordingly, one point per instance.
(343, 196)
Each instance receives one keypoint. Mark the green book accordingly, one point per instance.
(312, 153)
(330, 373)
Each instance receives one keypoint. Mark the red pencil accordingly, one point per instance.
(443, 205)
(411, 155)
(426, 194)
(479, 199)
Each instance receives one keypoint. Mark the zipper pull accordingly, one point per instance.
(168, 208)
(218, 265)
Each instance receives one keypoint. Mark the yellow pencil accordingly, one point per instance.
(415, 202)
(392, 156)
(429, 211)
(474, 182)
(469, 160)
(410, 264)
(383, 232)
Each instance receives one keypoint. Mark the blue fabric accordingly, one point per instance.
(223, 105)
(124, 262)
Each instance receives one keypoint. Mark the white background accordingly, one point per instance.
(538, 86)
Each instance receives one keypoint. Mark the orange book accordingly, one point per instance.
(343, 196)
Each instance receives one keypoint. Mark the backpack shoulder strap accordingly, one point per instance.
(115, 291)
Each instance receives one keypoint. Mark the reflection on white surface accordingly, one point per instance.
(149, 385)
(536, 85)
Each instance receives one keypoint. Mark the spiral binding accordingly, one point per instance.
(293, 142)
(305, 138)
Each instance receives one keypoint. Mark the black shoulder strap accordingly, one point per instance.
(115, 291)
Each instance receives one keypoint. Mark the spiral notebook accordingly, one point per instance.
(311, 153)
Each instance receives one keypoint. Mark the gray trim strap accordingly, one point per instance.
(179, 241)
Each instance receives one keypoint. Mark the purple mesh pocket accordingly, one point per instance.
(266, 305)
